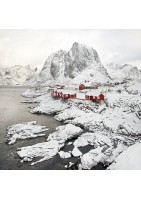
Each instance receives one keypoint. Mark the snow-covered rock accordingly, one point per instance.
(24, 131)
(93, 139)
(92, 158)
(76, 152)
(63, 133)
(130, 159)
(49, 106)
(63, 154)
(44, 151)
(106, 147)
(55, 141)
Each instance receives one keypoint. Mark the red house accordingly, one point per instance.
(82, 87)
(101, 97)
(72, 96)
(65, 96)
(94, 98)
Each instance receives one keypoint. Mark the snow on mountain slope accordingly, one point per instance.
(79, 64)
(121, 73)
(16, 75)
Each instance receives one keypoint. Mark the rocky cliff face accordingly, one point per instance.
(16, 75)
(79, 64)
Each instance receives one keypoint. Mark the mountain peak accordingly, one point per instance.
(64, 66)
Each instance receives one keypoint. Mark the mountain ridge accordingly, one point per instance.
(79, 64)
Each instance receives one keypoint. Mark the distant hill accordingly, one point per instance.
(16, 75)
(123, 72)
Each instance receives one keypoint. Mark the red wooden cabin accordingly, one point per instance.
(72, 96)
(82, 87)
(65, 96)
(94, 98)
(101, 97)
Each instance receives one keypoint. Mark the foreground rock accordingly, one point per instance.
(24, 130)
(55, 141)
(105, 148)
(44, 150)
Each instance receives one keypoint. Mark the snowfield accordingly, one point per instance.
(130, 159)
(23, 131)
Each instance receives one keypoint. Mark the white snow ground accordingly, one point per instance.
(130, 159)
(24, 130)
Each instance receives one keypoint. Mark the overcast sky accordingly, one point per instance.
(23, 47)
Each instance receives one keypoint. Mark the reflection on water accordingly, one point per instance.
(12, 111)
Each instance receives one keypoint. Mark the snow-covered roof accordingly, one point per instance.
(67, 91)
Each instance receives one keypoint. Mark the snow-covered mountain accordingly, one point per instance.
(123, 72)
(16, 75)
(78, 65)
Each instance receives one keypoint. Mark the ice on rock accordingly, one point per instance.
(24, 130)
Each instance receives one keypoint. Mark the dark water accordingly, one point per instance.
(12, 111)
